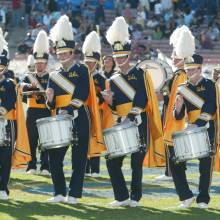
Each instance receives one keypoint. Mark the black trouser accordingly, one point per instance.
(115, 172)
(180, 180)
(6, 156)
(32, 115)
(79, 158)
(167, 168)
(93, 165)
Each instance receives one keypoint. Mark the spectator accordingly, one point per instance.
(47, 19)
(216, 74)
(16, 15)
(52, 5)
(152, 22)
(2, 17)
(141, 16)
(99, 13)
(157, 34)
(127, 13)
(205, 41)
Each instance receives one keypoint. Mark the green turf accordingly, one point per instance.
(29, 193)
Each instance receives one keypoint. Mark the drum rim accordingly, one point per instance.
(191, 131)
(54, 118)
(120, 127)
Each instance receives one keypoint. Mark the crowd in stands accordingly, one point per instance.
(148, 19)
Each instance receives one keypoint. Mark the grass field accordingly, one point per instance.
(29, 193)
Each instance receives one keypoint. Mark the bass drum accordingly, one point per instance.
(159, 71)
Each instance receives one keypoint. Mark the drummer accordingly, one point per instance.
(128, 98)
(70, 90)
(92, 54)
(169, 93)
(197, 98)
(36, 83)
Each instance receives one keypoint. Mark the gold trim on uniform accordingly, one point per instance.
(193, 115)
(31, 102)
(63, 100)
(124, 109)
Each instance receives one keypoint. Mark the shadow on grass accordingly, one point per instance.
(37, 210)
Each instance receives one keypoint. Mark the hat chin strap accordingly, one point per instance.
(122, 64)
(66, 60)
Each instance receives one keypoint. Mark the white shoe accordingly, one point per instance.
(202, 205)
(56, 199)
(32, 171)
(133, 203)
(186, 203)
(95, 175)
(71, 200)
(87, 174)
(3, 195)
(163, 178)
(45, 172)
(122, 203)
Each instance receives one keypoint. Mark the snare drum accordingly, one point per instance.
(122, 139)
(191, 144)
(2, 131)
(55, 132)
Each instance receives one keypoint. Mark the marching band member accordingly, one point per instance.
(131, 91)
(92, 54)
(71, 90)
(197, 98)
(12, 125)
(108, 66)
(170, 124)
(36, 102)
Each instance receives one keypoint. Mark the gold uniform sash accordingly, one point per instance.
(171, 124)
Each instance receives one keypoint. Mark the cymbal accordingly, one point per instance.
(34, 92)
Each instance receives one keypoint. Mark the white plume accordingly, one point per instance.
(62, 30)
(176, 33)
(185, 46)
(41, 44)
(118, 31)
(91, 43)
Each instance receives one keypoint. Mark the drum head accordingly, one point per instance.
(156, 71)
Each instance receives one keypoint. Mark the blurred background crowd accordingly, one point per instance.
(150, 22)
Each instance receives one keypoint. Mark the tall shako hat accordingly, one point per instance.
(41, 48)
(118, 36)
(4, 54)
(62, 35)
(92, 47)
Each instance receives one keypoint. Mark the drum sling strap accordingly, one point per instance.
(34, 80)
(191, 96)
(124, 87)
(63, 82)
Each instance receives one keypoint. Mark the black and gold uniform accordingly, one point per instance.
(200, 107)
(36, 110)
(71, 91)
(130, 99)
(8, 122)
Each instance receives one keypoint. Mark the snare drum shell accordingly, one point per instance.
(121, 139)
(191, 144)
(55, 132)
